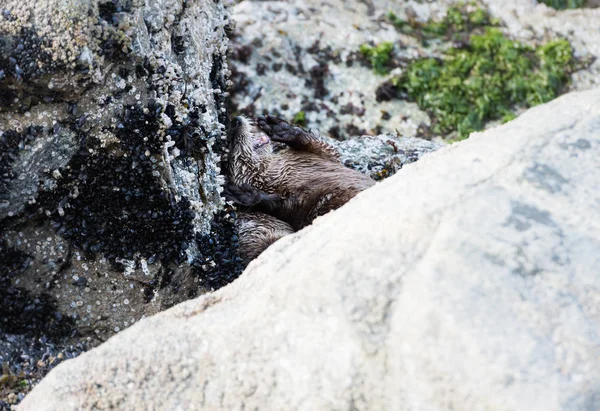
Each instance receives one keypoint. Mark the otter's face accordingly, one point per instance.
(247, 136)
(250, 148)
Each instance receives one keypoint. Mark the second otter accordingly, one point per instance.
(294, 185)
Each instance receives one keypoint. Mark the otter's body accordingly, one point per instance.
(314, 185)
(258, 231)
(294, 185)
(306, 175)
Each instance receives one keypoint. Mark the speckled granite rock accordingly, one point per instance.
(111, 134)
(383, 155)
(294, 56)
(467, 281)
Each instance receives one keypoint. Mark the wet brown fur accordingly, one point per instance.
(307, 175)
(258, 231)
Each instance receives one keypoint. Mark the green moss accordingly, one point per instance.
(485, 80)
(379, 56)
(564, 4)
(461, 18)
(482, 80)
(300, 118)
(402, 25)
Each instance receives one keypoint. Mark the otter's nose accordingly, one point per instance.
(238, 121)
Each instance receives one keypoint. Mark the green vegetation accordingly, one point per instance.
(485, 80)
(7, 379)
(300, 118)
(379, 56)
(485, 77)
(461, 18)
(564, 4)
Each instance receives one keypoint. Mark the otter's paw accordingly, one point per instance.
(246, 195)
(279, 130)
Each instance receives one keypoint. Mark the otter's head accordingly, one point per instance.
(250, 147)
(245, 135)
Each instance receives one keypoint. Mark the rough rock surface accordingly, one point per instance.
(112, 126)
(383, 155)
(469, 280)
(295, 56)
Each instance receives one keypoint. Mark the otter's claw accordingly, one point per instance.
(246, 195)
(279, 130)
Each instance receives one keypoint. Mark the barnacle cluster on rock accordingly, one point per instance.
(112, 131)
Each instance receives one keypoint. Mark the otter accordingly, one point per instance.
(257, 231)
(291, 186)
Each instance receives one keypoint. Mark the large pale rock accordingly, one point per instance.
(469, 280)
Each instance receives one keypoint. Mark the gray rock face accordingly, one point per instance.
(383, 155)
(467, 281)
(296, 56)
(302, 56)
(111, 134)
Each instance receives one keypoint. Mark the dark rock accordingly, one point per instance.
(111, 137)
